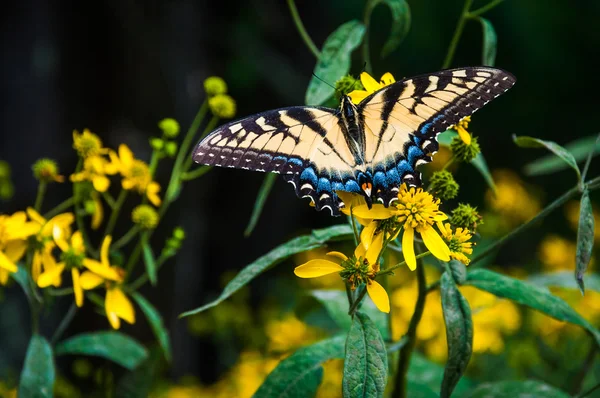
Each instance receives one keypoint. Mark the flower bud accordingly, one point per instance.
(466, 216)
(145, 216)
(443, 185)
(214, 85)
(87, 143)
(157, 143)
(171, 148)
(463, 152)
(222, 106)
(170, 127)
(46, 170)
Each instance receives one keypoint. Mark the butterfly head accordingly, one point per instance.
(365, 183)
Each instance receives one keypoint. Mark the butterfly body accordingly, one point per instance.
(369, 148)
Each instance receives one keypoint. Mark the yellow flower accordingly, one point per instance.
(458, 242)
(354, 200)
(288, 333)
(95, 168)
(371, 85)
(136, 174)
(557, 253)
(418, 211)
(87, 143)
(360, 268)
(98, 212)
(117, 307)
(46, 170)
(461, 129)
(14, 231)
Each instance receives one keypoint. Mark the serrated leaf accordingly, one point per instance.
(459, 333)
(112, 345)
(579, 148)
(38, 375)
(149, 259)
(490, 42)
(300, 374)
(423, 371)
(365, 365)
(297, 245)
(336, 304)
(259, 204)
(585, 239)
(334, 62)
(400, 23)
(156, 323)
(562, 153)
(516, 389)
(529, 295)
(564, 279)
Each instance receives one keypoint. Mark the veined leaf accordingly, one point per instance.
(516, 389)
(459, 333)
(365, 366)
(562, 153)
(400, 23)
(37, 378)
(114, 346)
(261, 198)
(300, 374)
(579, 148)
(529, 295)
(156, 322)
(280, 253)
(490, 41)
(334, 62)
(149, 259)
(585, 238)
(564, 279)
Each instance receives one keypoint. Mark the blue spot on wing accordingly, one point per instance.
(309, 175)
(352, 186)
(414, 153)
(404, 167)
(324, 185)
(393, 178)
(296, 161)
(337, 186)
(380, 180)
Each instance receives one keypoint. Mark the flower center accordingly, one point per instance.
(72, 259)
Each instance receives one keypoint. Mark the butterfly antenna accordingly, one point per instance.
(364, 69)
(329, 84)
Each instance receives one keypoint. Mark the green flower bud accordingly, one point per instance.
(443, 185)
(466, 216)
(463, 152)
(170, 127)
(346, 85)
(4, 170)
(145, 216)
(179, 233)
(46, 170)
(7, 190)
(214, 85)
(222, 106)
(157, 143)
(89, 206)
(171, 148)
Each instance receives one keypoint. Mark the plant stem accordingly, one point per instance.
(125, 239)
(133, 258)
(354, 229)
(585, 369)
(589, 159)
(60, 208)
(114, 215)
(109, 199)
(588, 392)
(356, 302)
(406, 351)
(141, 281)
(484, 9)
(210, 126)
(457, 33)
(388, 271)
(39, 198)
(64, 323)
(303, 33)
(197, 173)
(366, 52)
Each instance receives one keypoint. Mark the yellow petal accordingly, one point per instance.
(125, 156)
(316, 268)
(4, 276)
(59, 239)
(366, 235)
(6, 264)
(351, 199)
(408, 248)
(77, 242)
(435, 243)
(358, 95)
(379, 296)
(90, 280)
(464, 135)
(104, 250)
(105, 272)
(373, 250)
(117, 304)
(98, 215)
(377, 212)
(339, 255)
(153, 197)
(440, 217)
(22, 230)
(35, 216)
(128, 183)
(101, 183)
(77, 290)
(15, 249)
(387, 79)
(360, 251)
(36, 266)
(47, 278)
(370, 84)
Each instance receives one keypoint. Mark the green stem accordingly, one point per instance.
(449, 163)
(366, 52)
(153, 162)
(589, 159)
(60, 292)
(484, 9)
(64, 324)
(303, 33)
(39, 198)
(114, 215)
(586, 367)
(143, 279)
(197, 173)
(354, 229)
(133, 258)
(390, 270)
(406, 351)
(457, 33)
(356, 303)
(79, 218)
(109, 199)
(210, 126)
(125, 239)
(349, 294)
(588, 392)
(60, 208)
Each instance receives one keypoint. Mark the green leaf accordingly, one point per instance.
(300, 374)
(334, 62)
(420, 390)
(579, 148)
(365, 366)
(490, 41)
(23, 279)
(280, 253)
(114, 346)
(423, 371)
(336, 304)
(564, 279)
(529, 295)
(562, 153)
(400, 23)
(138, 382)
(156, 322)
(516, 389)
(459, 333)
(259, 204)
(37, 378)
(458, 270)
(585, 238)
(149, 260)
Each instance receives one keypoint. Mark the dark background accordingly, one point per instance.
(118, 67)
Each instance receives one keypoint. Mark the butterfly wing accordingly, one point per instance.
(304, 144)
(402, 120)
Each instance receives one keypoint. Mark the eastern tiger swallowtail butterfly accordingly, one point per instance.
(370, 148)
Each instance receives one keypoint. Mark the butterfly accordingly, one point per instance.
(369, 148)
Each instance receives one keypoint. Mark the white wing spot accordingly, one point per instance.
(212, 155)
